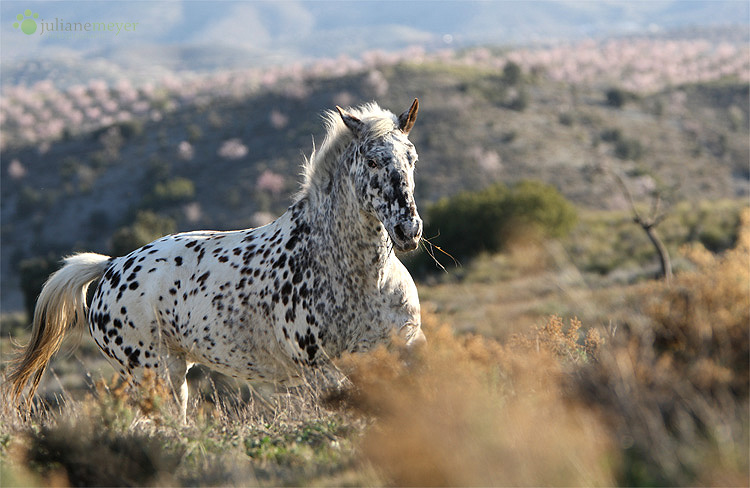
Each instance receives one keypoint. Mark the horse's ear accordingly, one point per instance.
(353, 123)
(406, 120)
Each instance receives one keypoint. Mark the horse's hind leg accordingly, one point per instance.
(129, 334)
(177, 369)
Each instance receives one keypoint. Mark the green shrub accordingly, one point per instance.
(617, 97)
(130, 128)
(537, 204)
(628, 149)
(147, 227)
(611, 135)
(566, 118)
(486, 221)
(467, 223)
(175, 190)
(69, 168)
(169, 192)
(157, 170)
(625, 147)
(512, 73)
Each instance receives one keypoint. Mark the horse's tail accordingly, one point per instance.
(61, 306)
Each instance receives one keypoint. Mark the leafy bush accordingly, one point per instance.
(466, 224)
(629, 149)
(617, 97)
(194, 133)
(147, 227)
(539, 205)
(512, 73)
(611, 135)
(566, 118)
(69, 168)
(486, 221)
(169, 192)
(157, 170)
(625, 147)
(130, 128)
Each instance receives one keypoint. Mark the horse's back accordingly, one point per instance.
(186, 294)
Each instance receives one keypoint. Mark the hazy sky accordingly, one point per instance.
(284, 30)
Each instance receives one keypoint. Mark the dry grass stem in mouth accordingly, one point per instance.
(430, 252)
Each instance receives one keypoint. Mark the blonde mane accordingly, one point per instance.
(318, 170)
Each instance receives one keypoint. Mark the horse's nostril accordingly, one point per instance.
(400, 232)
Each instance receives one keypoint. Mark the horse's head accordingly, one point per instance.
(382, 172)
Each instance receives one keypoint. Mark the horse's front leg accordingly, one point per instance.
(412, 335)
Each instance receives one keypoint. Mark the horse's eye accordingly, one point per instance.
(372, 164)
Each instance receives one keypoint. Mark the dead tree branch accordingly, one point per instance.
(649, 223)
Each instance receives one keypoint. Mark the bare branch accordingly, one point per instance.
(657, 215)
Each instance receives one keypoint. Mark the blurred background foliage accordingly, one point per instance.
(487, 221)
(504, 145)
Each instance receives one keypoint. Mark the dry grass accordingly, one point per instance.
(122, 436)
(663, 402)
(469, 411)
(676, 393)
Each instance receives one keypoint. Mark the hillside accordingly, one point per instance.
(556, 355)
(224, 152)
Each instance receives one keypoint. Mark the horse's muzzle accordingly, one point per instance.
(407, 234)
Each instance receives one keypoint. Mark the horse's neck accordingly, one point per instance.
(355, 244)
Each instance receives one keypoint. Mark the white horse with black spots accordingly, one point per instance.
(258, 304)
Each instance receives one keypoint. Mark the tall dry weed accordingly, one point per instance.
(110, 438)
(663, 404)
(565, 342)
(468, 411)
(121, 435)
(676, 393)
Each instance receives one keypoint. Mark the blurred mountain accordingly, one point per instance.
(200, 36)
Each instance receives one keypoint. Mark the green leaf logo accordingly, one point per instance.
(26, 22)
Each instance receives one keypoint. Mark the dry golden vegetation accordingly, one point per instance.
(468, 411)
(658, 401)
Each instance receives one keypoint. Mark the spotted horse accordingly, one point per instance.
(259, 304)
